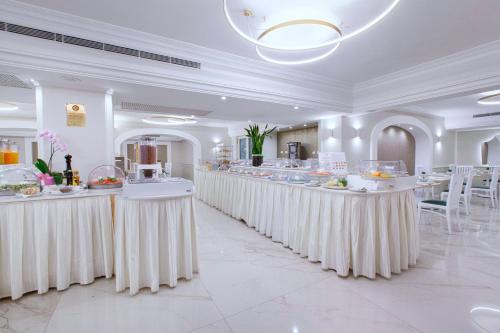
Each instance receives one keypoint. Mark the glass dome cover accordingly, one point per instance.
(382, 169)
(105, 177)
(19, 181)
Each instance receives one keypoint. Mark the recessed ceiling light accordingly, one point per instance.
(8, 107)
(291, 127)
(490, 100)
(223, 98)
(305, 125)
(296, 107)
(411, 128)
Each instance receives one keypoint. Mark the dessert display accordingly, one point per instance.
(19, 181)
(106, 177)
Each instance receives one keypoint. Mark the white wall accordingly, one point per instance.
(182, 159)
(469, 143)
(353, 135)
(269, 150)
(206, 135)
(88, 145)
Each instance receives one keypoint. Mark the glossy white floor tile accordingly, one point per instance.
(247, 283)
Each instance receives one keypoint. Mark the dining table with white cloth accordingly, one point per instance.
(372, 233)
(54, 241)
(155, 242)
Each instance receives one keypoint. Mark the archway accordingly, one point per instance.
(424, 148)
(161, 131)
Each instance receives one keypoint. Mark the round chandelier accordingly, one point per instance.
(294, 32)
(492, 99)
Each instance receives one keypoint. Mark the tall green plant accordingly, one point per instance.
(258, 137)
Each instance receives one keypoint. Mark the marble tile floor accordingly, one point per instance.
(247, 283)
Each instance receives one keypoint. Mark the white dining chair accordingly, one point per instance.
(465, 196)
(489, 191)
(449, 205)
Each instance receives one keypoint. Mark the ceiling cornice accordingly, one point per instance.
(47, 19)
(473, 69)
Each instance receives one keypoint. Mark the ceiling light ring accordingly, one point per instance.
(354, 33)
(292, 23)
(484, 100)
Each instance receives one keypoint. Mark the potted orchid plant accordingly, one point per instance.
(48, 176)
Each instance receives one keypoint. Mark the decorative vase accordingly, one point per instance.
(257, 160)
(58, 177)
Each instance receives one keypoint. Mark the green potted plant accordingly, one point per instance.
(258, 137)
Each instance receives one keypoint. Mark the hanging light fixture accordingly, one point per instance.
(492, 99)
(297, 32)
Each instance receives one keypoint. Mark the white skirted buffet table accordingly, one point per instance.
(155, 242)
(48, 242)
(369, 233)
(55, 241)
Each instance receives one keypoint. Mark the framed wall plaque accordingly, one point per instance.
(75, 115)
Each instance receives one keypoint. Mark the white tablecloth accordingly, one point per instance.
(369, 233)
(54, 243)
(155, 242)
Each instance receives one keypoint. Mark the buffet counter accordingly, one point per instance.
(53, 241)
(369, 233)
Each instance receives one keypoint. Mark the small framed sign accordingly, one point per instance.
(75, 115)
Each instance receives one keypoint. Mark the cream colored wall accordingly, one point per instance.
(342, 132)
(469, 144)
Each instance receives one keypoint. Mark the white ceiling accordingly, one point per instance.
(458, 111)
(416, 32)
(231, 111)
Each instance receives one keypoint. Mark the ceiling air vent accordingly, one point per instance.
(19, 29)
(121, 50)
(10, 80)
(81, 42)
(482, 115)
(149, 108)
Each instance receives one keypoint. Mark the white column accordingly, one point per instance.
(110, 128)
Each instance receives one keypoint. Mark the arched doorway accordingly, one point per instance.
(424, 147)
(397, 144)
(196, 145)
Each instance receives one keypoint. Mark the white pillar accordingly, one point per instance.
(90, 145)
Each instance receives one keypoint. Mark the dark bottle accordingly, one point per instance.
(68, 172)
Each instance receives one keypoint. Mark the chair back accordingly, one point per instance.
(469, 179)
(456, 183)
(494, 177)
(463, 169)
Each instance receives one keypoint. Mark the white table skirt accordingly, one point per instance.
(155, 242)
(54, 243)
(369, 233)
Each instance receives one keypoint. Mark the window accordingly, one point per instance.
(244, 148)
